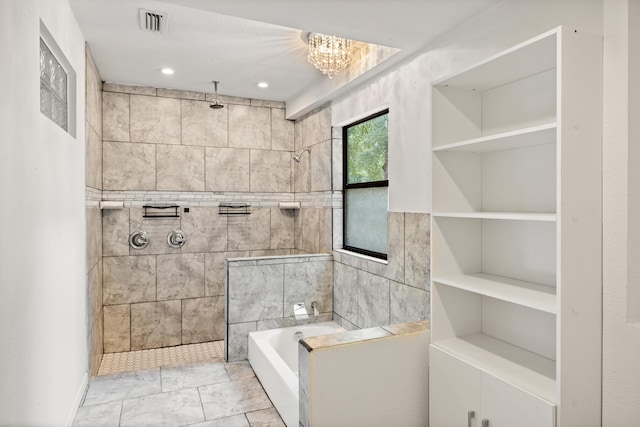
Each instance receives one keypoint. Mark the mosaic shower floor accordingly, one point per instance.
(113, 363)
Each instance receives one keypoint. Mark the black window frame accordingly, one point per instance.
(346, 186)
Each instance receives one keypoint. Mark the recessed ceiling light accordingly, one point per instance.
(263, 85)
(167, 71)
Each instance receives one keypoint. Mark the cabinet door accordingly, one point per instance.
(454, 389)
(506, 406)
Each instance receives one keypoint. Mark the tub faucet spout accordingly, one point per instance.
(316, 308)
(299, 311)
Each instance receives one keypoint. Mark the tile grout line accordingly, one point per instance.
(121, 410)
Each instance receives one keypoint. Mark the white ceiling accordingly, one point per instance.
(243, 42)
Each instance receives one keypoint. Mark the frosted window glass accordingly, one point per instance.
(366, 218)
(53, 87)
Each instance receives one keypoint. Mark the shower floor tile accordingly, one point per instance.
(113, 363)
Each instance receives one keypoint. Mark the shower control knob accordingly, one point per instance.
(138, 240)
(176, 239)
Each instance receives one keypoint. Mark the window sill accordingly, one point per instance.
(361, 256)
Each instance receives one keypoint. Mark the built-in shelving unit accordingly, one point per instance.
(516, 236)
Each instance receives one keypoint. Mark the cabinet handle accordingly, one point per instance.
(485, 423)
(470, 415)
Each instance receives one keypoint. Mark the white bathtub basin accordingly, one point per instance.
(273, 355)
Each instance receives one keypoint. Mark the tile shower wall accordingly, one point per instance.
(367, 292)
(313, 182)
(261, 293)
(93, 183)
(166, 146)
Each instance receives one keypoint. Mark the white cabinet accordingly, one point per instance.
(463, 395)
(516, 232)
(504, 405)
(454, 390)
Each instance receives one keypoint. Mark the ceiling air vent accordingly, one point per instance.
(154, 22)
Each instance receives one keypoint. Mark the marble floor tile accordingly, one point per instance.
(239, 370)
(232, 398)
(265, 418)
(191, 376)
(102, 415)
(175, 408)
(234, 421)
(211, 394)
(109, 388)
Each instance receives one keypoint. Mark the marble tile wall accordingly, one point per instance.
(313, 178)
(166, 140)
(368, 292)
(160, 296)
(313, 132)
(93, 184)
(261, 292)
(161, 146)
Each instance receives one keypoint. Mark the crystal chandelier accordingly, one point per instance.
(329, 54)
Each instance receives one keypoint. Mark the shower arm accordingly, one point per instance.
(298, 157)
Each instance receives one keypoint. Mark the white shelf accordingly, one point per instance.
(521, 368)
(528, 294)
(500, 173)
(514, 216)
(527, 137)
(531, 57)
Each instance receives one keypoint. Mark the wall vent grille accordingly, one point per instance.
(153, 22)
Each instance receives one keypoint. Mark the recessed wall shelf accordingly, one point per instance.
(234, 209)
(161, 211)
(289, 205)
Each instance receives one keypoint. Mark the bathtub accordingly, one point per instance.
(273, 355)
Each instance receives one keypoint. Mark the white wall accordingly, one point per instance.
(43, 356)
(406, 88)
(621, 214)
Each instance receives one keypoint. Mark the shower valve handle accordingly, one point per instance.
(176, 239)
(139, 240)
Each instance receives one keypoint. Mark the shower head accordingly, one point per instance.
(297, 157)
(216, 105)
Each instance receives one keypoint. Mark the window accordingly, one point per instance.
(366, 185)
(57, 83)
(53, 87)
